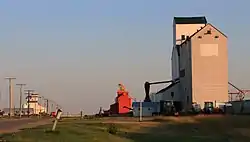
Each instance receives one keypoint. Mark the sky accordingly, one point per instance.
(75, 52)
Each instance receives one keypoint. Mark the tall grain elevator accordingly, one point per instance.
(199, 61)
(182, 27)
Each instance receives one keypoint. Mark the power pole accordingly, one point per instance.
(47, 105)
(20, 99)
(29, 93)
(10, 94)
(41, 104)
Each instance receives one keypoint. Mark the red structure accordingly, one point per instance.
(123, 102)
(240, 94)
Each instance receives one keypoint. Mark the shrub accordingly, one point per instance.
(112, 129)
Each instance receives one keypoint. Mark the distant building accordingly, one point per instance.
(33, 103)
(35, 107)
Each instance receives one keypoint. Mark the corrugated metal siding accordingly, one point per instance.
(175, 64)
(158, 97)
(148, 108)
(166, 96)
(241, 107)
(209, 72)
(185, 88)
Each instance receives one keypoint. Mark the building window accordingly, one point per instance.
(182, 73)
(209, 32)
(172, 94)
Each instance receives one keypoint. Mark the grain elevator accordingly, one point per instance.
(200, 63)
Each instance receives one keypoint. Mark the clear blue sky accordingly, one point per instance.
(77, 51)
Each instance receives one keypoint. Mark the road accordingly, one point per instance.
(14, 125)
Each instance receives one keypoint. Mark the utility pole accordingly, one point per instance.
(41, 102)
(10, 94)
(47, 105)
(20, 99)
(29, 93)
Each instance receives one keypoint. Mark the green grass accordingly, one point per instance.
(188, 129)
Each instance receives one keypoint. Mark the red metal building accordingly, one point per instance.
(123, 102)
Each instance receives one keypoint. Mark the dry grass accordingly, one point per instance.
(176, 129)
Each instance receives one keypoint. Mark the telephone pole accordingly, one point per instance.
(47, 105)
(29, 93)
(10, 94)
(20, 99)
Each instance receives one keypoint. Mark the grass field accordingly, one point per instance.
(173, 129)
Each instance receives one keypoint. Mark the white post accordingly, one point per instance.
(58, 116)
(140, 111)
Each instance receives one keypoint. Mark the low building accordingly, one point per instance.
(240, 107)
(33, 104)
(148, 108)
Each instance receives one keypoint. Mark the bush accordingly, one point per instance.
(112, 129)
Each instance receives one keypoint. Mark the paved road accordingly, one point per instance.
(14, 125)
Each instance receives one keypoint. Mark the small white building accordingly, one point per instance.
(33, 103)
(148, 108)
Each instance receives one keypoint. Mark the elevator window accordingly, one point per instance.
(172, 94)
(182, 73)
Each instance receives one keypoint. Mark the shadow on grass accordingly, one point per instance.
(195, 129)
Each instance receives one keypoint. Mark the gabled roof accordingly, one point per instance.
(187, 39)
(168, 87)
(190, 20)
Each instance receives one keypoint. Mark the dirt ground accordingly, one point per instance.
(14, 125)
